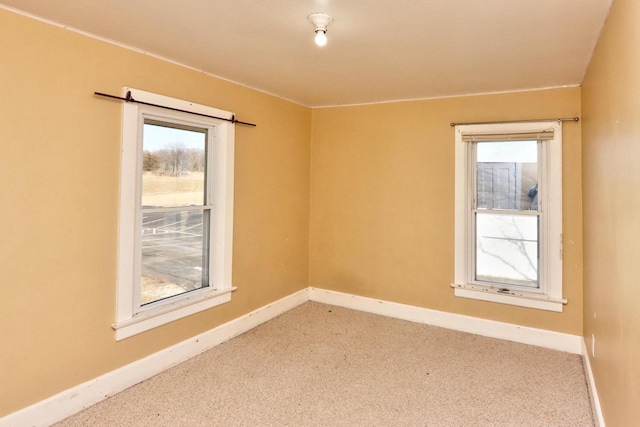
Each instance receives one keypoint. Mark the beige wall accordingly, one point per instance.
(382, 201)
(611, 176)
(59, 172)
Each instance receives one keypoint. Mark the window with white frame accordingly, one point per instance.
(176, 212)
(508, 214)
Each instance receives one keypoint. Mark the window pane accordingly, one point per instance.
(507, 175)
(507, 249)
(174, 258)
(173, 165)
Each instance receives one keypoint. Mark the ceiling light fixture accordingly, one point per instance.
(320, 22)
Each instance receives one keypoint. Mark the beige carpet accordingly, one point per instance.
(320, 365)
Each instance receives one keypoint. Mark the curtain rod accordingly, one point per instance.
(564, 119)
(129, 98)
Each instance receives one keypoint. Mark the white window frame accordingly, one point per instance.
(549, 295)
(131, 317)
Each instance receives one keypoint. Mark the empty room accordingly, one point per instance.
(319, 212)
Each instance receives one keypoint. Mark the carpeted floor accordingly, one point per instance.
(319, 365)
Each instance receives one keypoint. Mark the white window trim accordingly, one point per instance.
(549, 296)
(130, 318)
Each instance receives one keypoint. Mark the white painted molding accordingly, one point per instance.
(132, 317)
(591, 383)
(73, 400)
(493, 295)
(488, 328)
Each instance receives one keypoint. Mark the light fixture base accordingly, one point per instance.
(320, 21)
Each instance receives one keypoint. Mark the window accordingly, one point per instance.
(508, 214)
(176, 212)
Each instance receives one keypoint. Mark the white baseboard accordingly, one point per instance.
(73, 400)
(593, 393)
(488, 328)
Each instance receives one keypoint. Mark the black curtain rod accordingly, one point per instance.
(565, 119)
(129, 98)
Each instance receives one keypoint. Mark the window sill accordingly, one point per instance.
(521, 299)
(161, 315)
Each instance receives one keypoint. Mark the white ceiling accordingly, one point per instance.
(382, 50)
